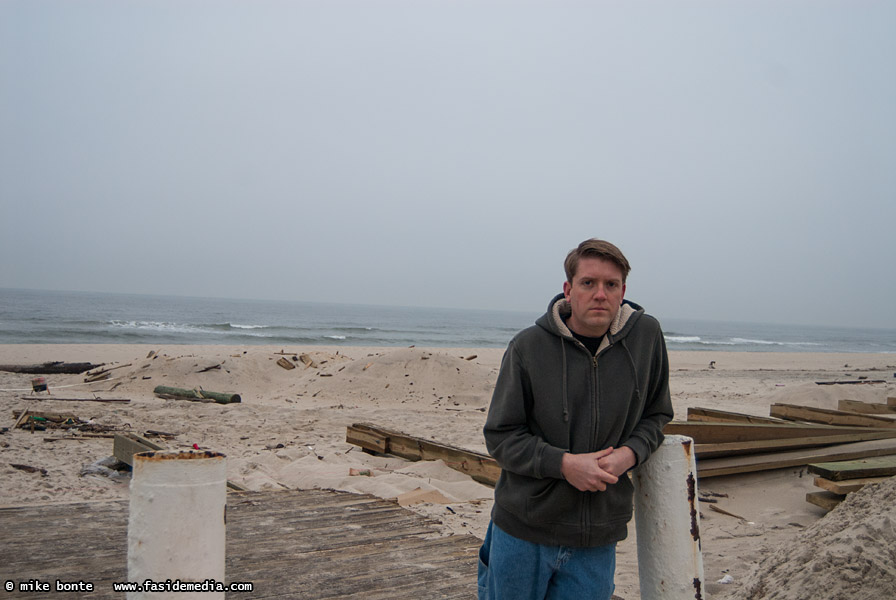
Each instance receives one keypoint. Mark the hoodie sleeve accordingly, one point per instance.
(507, 432)
(647, 435)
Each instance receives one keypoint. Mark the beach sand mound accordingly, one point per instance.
(849, 554)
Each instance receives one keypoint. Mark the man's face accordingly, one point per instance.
(594, 295)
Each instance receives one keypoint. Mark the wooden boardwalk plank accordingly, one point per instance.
(290, 544)
(714, 467)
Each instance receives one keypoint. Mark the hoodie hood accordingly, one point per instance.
(554, 320)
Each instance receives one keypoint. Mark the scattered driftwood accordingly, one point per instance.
(161, 434)
(102, 371)
(40, 421)
(83, 437)
(286, 364)
(29, 469)
(173, 393)
(481, 467)
(43, 421)
(51, 368)
(851, 382)
(725, 512)
(211, 368)
(122, 400)
(306, 360)
(102, 374)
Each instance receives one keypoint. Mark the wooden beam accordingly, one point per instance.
(711, 415)
(481, 467)
(880, 466)
(714, 467)
(126, 445)
(777, 445)
(847, 486)
(792, 412)
(867, 408)
(717, 433)
(825, 500)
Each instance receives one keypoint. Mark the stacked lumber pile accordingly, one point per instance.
(837, 479)
(727, 443)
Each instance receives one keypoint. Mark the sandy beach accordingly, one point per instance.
(289, 430)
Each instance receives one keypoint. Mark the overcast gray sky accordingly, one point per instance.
(450, 153)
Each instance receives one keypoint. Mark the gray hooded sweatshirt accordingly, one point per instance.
(553, 396)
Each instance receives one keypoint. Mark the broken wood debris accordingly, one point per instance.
(851, 382)
(285, 363)
(29, 469)
(200, 395)
(715, 508)
(371, 438)
(102, 374)
(42, 421)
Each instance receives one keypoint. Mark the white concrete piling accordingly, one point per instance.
(176, 530)
(667, 522)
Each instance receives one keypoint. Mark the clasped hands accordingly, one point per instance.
(593, 471)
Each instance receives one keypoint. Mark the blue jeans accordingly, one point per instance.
(513, 569)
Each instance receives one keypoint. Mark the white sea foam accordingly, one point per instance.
(771, 343)
(683, 339)
(157, 326)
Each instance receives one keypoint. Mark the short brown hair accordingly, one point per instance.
(594, 248)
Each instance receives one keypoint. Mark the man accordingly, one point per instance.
(581, 398)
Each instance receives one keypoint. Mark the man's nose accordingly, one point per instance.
(600, 291)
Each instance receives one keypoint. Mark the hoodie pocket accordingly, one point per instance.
(558, 503)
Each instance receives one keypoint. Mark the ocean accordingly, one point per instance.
(47, 317)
